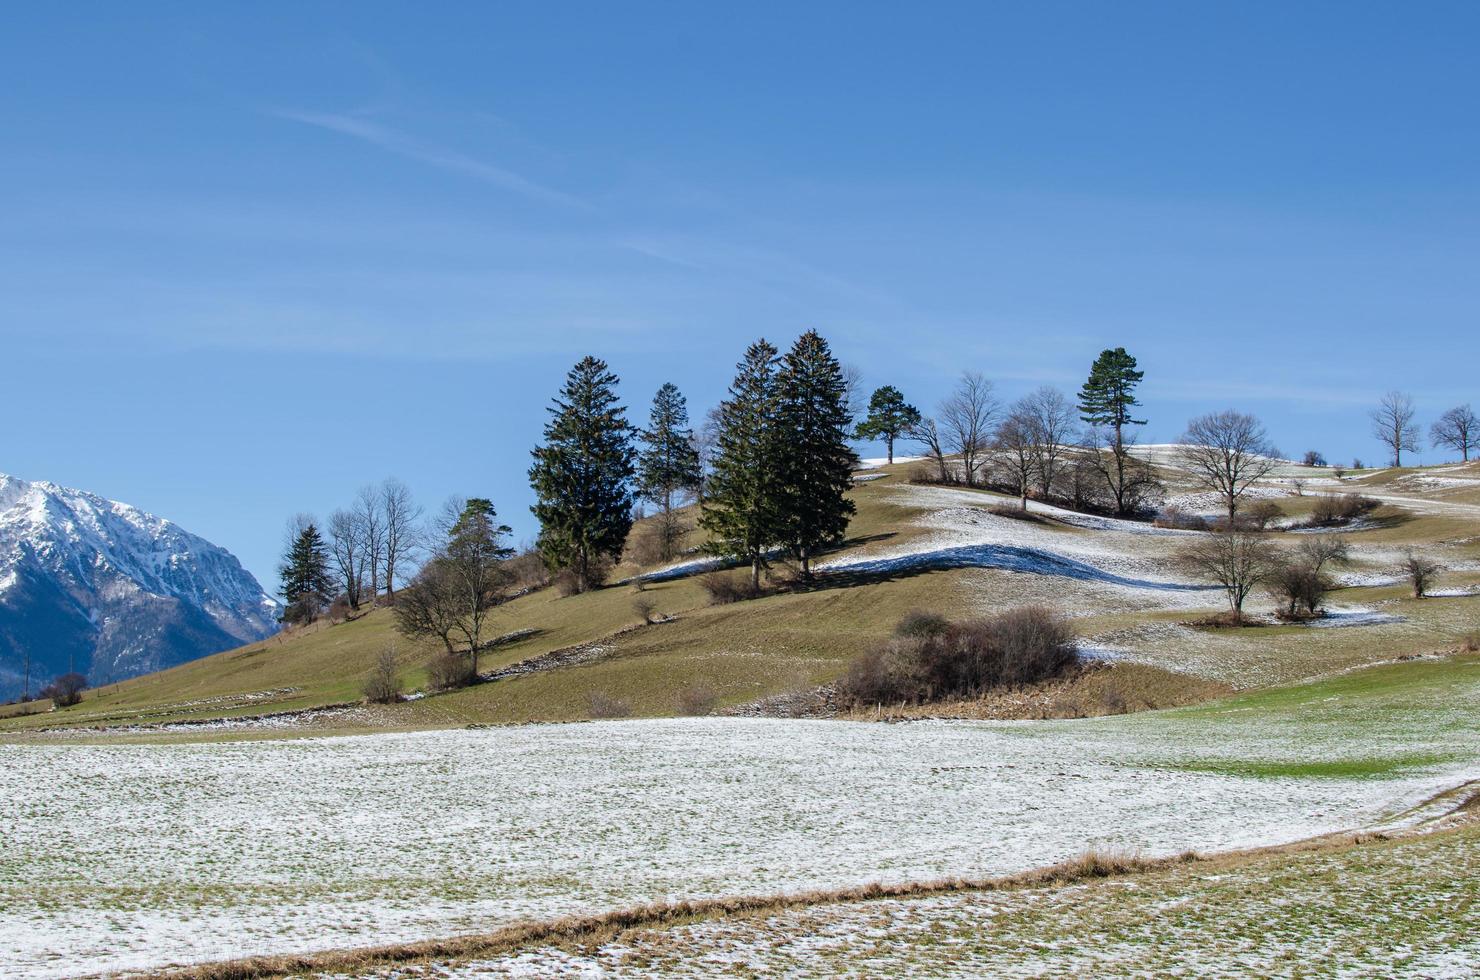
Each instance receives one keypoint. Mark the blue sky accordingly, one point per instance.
(254, 256)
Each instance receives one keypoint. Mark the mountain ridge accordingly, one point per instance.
(100, 586)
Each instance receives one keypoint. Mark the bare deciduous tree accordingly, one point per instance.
(1226, 452)
(966, 419)
(346, 546)
(428, 606)
(1236, 561)
(1014, 441)
(464, 581)
(1393, 425)
(1130, 482)
(854, 398)
(1052, 424)
(372, 531)
(401, 523)
(927, 433)
(1459, 429)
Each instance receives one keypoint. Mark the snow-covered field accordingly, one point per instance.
(130, 856)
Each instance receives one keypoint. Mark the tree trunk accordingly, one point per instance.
(755, 573)
(889, 441)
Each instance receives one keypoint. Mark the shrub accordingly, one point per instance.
(381, 685)
(1335, 509)
(646, 545)
(918, 623)
(643, 607)
(697, 699)
(1020, 646)
(339, 609)
(1179, 519)
(1261, 513)
(1301, 586)
(449, 671)
(1421, 572)
(527, 570)
(569, 582)
(66, 690)
(602, 705)
(726, 587)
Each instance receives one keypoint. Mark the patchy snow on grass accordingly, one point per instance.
(874, 462)
(1099, 552)
(133, 856)
(1354, 616)
(1207, 503)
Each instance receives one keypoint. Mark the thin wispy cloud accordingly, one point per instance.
(405, 145)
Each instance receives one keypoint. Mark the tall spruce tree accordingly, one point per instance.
(582, 474)
(889, 417)
(306, 583)
(814, 463)
(668, 463)
(740, 500)
(1105, 402)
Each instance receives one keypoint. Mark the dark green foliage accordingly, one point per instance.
(1105, 402)
(306, 584)
(582, 474)
(668, 463)
(1110, 392)
(740, 500)
(814, 464)
(889, 417)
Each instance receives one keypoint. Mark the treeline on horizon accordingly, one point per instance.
(770, 470)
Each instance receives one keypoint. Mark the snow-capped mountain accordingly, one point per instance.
(102, 587)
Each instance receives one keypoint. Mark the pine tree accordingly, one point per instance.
(306, 583)
(582, 474)
(814, 463)
(889, 417)
(1106, 401)
(669, 463)
(740, 496)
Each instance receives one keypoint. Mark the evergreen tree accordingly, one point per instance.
(582, 474)
(740, 496)
(669, 462)
(306, 583)
(814, 463)
(1105, 402)
(889, 417)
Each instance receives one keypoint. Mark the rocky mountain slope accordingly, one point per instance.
(104, 588)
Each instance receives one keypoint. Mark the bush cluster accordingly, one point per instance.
(450, 671)
(727, 587)
(929, 659)
(1336, 509)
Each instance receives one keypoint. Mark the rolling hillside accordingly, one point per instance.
(909, 547)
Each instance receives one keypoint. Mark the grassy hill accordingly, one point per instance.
(909, 547)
